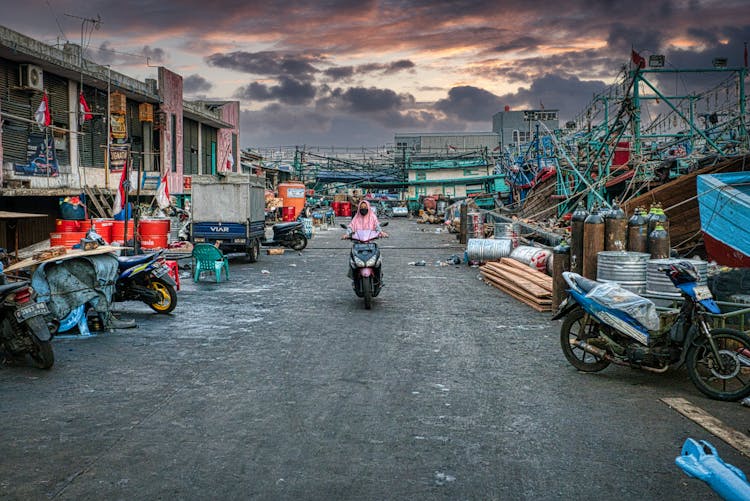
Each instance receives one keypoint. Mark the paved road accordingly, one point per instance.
(280, 385)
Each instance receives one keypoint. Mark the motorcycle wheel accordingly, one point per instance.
(168, 296)
(43, 357)
(731, 383)
(367, 291)
(299, 241)
(572, 329)
(254, 253)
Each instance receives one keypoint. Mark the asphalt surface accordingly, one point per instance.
(278, 384)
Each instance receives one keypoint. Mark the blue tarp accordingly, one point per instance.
(67, 284)
(329, 176)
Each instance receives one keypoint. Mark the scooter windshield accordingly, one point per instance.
(365, 235)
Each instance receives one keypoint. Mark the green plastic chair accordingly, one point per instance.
(206, 257)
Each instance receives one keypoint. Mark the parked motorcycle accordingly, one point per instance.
(365, 265)
(23, 327)
(146, 278)
(607, 324)
(291, 235)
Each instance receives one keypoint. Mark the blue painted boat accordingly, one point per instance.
(724, 201)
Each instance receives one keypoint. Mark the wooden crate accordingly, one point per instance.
(145, 112)
(117, 103)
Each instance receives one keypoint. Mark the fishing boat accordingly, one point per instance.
(724, 201)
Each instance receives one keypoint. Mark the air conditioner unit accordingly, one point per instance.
(30, 76)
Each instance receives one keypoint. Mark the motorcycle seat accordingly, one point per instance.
(286, 226)
(129, 261)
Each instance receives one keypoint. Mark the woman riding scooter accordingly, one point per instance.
(364, 219)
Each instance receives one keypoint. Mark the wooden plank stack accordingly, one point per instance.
(518, 280)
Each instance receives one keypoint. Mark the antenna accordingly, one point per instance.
(57, 21)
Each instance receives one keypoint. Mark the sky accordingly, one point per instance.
(355, 72)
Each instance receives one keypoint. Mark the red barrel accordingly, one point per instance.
(153, 233)
(104, 228)
(68, 225)
(336, 206)
(67, 239)
(154, 241)
(118, 230)
(346, 209)
(288, 213)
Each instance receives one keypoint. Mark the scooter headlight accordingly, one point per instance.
(358, 262)
(371, 262)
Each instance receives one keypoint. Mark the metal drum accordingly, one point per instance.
(505, 230)
(488, 249)
(658, 282)
(627, 269)
(533, 256)
(441, 205)
(475, 225)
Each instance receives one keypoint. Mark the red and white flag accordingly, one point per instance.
(162, 194)
(84, 112)
(42, 115)
(637, 59)
(122, 193)
(452, 148)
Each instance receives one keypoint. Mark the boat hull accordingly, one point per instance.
(724, 201)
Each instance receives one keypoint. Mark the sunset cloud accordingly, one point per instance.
(316, 71)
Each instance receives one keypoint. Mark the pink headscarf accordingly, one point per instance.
(368, 222)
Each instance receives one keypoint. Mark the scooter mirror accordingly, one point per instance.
(342, 225)
(384, 224)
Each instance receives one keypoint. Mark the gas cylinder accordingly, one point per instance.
(576, 238)
(616, 229)
(560, 263)
(638, 231)
(657, 216)
(658, 242)
(593, 243)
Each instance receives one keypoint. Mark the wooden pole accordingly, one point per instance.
(463, 226)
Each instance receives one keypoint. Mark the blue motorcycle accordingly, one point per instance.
(146, 278)
(604, 323)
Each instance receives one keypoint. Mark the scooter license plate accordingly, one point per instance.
(702, 292)
(31, 310)
(161, 271)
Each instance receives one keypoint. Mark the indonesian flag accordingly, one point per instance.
(452, 148)
(638, 60)
(162, 194)
(42, 115)
(122, 193)
(84, 112)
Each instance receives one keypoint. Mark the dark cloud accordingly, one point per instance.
(155, 54)
(288, 91)
(107, 53)
(338, 73)
(567, 94)
(367, 100)
(469, 103)
(195, 83)
(266, 63)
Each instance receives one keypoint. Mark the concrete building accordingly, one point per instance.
(450, 164)
(518, 127)
(162, 132)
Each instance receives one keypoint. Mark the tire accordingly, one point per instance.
(299, 242)
(169, 296)
(572, 328)
(733, 383)
(43, 357)
(253, 253)
(367, 291)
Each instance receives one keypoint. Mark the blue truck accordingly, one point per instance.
(230, 210)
